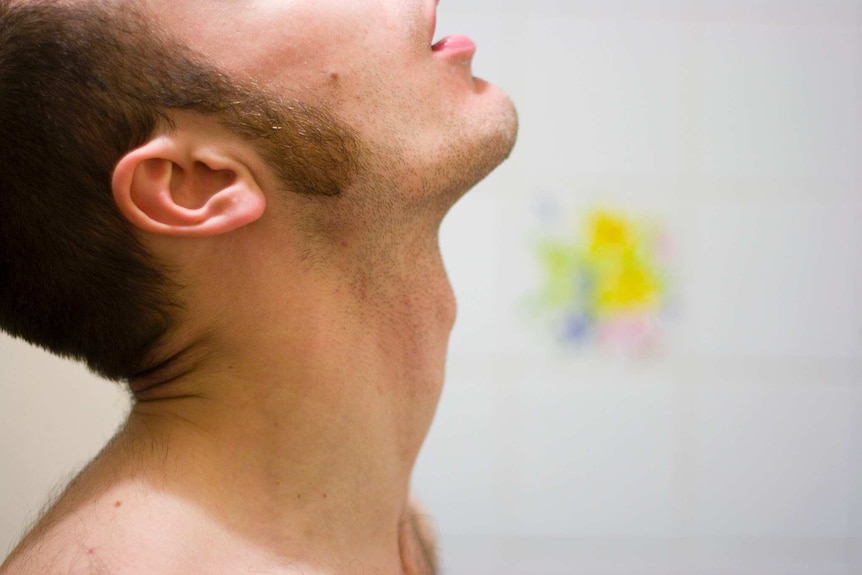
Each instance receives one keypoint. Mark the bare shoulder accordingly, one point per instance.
(47, 556)
(45, 548)
(115, 531)
(66, 541)
(103, 539)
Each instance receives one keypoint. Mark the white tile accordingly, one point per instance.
(824, 12)
(643, 556)
(562, 556)
(854, 552)
(460, 474)
(782, 101)
(776, 280)
(843, 13)
(855, 456)
(596, 9)
(771, 457)
(593, 447)
(470, 238)
(772, 556)
(600, 98)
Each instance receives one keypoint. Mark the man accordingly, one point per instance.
(234, 207)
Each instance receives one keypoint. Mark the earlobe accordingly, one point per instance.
(170, 188)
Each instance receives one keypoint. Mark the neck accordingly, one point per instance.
(301, 433)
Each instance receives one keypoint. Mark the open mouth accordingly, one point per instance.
(460, 45)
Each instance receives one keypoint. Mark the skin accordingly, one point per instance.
(371, 62)
(313, 335)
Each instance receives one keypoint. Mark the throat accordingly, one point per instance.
(306, 440)
(297, 419)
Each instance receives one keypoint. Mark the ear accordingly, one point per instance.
(178, 185)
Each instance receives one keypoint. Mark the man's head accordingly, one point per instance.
(371, 60)
(340, 98)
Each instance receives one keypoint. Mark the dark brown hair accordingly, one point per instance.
(81, 84)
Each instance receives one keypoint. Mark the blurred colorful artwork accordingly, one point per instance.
(605, 280)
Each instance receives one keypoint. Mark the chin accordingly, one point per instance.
(451, 161)
(472, 167)
(491, 140)
(499, 119)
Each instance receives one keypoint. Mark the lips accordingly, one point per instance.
(450, 45)
(455, 44)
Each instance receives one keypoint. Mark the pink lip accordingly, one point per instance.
(455, 46)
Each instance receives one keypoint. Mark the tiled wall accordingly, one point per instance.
(737, 446)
